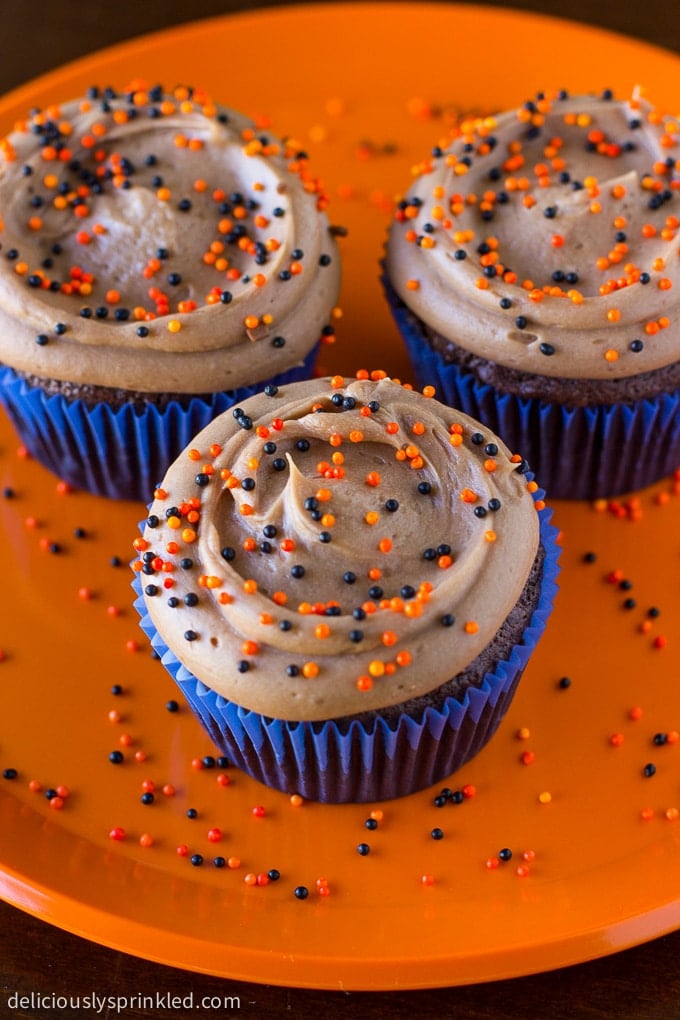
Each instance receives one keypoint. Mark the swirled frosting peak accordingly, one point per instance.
(158, 242)
(336, 546)
(546, 239)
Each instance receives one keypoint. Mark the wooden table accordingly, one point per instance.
(40, 960)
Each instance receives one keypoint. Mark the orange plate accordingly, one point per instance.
(368, 90)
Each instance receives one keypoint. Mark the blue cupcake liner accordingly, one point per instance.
(120, 453)
(582, 453)
(358, 762)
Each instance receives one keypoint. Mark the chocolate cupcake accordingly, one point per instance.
(359, 576)
(531, 270)
(161, 258)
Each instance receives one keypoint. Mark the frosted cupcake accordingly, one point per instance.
(161, 258)
(532, 268)
(359, 577)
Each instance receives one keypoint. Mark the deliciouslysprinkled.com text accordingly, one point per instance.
(119, 1004)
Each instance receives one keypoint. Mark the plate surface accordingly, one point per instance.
(367, 90)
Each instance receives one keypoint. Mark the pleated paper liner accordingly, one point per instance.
(583, 453)
(124, 452)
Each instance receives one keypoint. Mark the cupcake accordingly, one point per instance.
(162, 257)
(346, 579)
(530, 269)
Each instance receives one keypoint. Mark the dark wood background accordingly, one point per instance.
(638, 984)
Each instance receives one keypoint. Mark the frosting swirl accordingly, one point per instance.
(337, 546)
(546, 239)
(159, 243)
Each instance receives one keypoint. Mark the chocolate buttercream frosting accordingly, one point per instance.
(545, 239)
(157, 242)
(337, 546)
